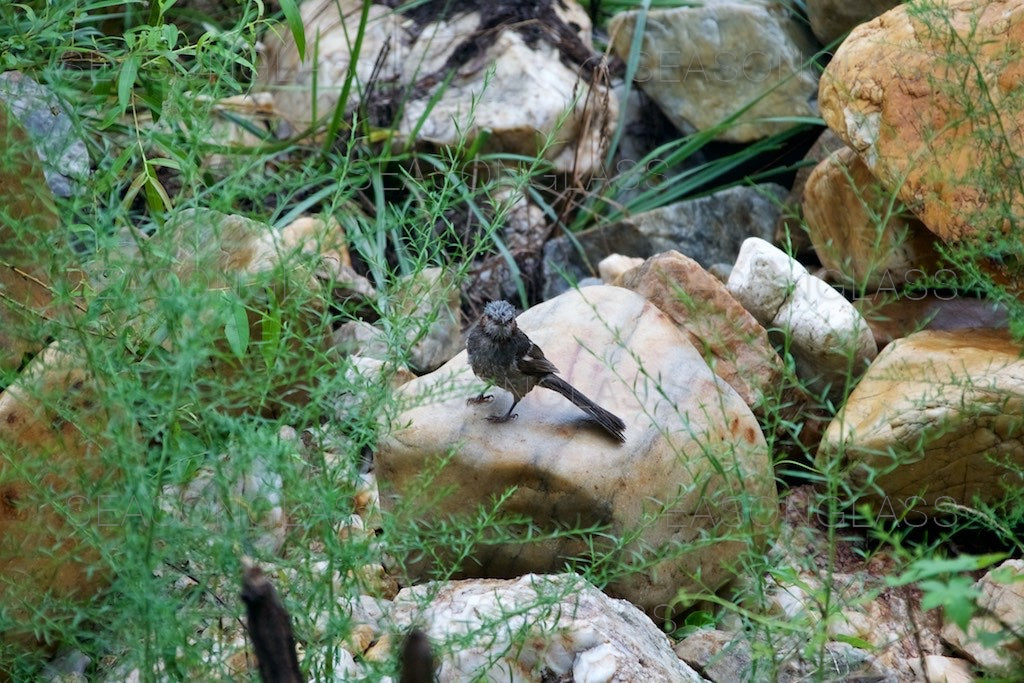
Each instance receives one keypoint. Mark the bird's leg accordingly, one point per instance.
(484, 397)
(507, 416)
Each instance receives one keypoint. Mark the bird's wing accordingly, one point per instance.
(533, 362)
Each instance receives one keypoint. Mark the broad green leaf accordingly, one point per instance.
(157, 199)
(700, 619)
(236, 326)
(931, 567)
(294, 21)
(126, 80)
(957, 597)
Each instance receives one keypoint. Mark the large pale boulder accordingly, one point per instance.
(537, 100)
(330, 29)
(928, 94)
(537, 628)
(703, 64)
(861, 235)
(693, 480)
(936, 419)
(829, 339)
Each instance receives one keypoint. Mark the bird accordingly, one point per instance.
(503, 356)
(417, 659)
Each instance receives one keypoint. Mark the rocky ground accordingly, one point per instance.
(740, 335)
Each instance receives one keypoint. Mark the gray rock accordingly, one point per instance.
(706, 63)
(234, 490)
(39, 110)
(721, 656)
(358, 337)
(833, 19)
(67, 667)
(842, 662)
(709, 230)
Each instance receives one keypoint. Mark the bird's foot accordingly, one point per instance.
(502, 418)
(482, 398)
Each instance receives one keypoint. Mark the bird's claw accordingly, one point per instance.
(482, 398)
(502, 418)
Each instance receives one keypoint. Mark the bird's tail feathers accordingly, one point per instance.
(611, 423)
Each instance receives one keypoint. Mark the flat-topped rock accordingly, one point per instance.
(693, 470)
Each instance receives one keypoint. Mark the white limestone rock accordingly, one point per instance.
(538, 628)
(830, 340)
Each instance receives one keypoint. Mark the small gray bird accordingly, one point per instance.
(503, 356)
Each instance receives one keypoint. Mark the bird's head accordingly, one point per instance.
(499, 319)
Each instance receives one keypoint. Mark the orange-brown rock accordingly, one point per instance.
(929, 95)
(53, 424)
(936, 419)
(862, 237)
(734, 345)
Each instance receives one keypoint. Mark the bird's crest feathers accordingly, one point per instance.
(500, 311)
